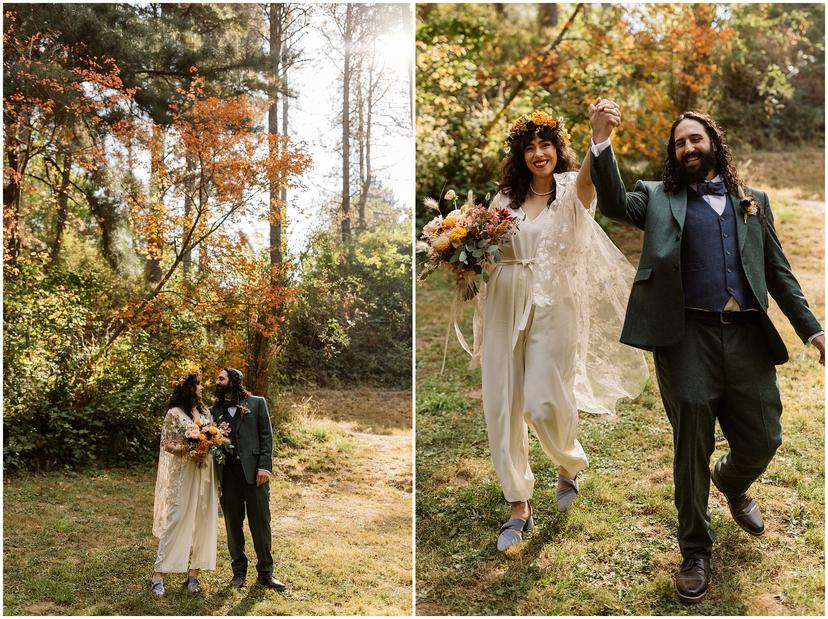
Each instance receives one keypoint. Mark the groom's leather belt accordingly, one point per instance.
(723, 318)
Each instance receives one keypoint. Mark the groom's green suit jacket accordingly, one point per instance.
(655, 312)
(254, 437)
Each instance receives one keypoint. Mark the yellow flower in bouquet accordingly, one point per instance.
(467, 240)
(441, 243)
(457, 235)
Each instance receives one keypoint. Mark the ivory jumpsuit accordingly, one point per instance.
(528, 368)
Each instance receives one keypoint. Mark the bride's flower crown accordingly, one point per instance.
(530, 123)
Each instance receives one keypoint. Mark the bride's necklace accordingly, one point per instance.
(532, 189)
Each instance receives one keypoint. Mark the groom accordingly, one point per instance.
(245, 474)
(699, 301)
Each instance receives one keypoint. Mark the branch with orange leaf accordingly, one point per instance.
(214, 157)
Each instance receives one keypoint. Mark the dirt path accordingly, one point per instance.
(344, 510)
(341, 517)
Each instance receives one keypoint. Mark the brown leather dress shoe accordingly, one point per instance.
(267, 580)
(743, 508)
(693, 580)
(237, 582)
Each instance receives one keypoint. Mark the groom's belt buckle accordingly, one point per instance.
(749, 316)
(723, 317)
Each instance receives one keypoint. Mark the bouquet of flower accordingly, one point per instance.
(201, 437)
(465, 240)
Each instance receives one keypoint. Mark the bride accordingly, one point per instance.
(550, 317)
(185, 515)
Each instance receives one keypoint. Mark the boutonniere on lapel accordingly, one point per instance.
(750, 207)
(243, 409)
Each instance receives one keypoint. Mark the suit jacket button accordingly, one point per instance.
(678, 237)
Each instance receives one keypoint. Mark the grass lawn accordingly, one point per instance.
(615, 552)
(81, 543)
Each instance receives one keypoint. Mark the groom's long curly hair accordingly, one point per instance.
(238, 391)
(515, 176)
(674, 176)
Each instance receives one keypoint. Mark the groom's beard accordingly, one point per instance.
(698, 173)
(222, 390)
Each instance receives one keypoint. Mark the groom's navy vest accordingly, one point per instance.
(711, 269)
(234, 428)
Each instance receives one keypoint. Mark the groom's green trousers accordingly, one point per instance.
(238, 496)
(722, 372)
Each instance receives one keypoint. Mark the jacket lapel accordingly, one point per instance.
(741, 228)
(678, 205)
(239, 413)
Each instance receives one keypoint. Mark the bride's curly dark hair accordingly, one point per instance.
(674, 176)
(184, 395)
(515, 176)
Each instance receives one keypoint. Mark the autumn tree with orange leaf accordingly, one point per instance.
(215, 158)
(57, 104)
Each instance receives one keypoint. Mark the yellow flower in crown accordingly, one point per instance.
(542, 118)
(529, 123)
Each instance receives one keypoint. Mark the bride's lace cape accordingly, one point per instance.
(171, 468)
(576, 262)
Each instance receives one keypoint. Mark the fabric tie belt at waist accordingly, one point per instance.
(522, 311)
(521, 316)
(529, 262)
(723, 318)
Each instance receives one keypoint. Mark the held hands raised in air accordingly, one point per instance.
(604, 116)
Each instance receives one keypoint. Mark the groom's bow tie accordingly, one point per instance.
(712, 188)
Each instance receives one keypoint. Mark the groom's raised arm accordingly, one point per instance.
(613, 199)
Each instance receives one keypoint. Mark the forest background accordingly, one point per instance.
(758, 69)
(151, 169)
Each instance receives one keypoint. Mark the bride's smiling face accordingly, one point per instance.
(540, 156)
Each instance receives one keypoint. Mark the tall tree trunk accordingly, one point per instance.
(17, 163)
(275, 53)
(346, 126)
(360, 135)
(548, 15)
(189, 207)
(408, 25)
(103, 208)
(155, 240)
(63, 210)
(365, 148)
(283, 191)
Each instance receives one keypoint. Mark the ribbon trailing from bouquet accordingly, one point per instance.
(453, 321)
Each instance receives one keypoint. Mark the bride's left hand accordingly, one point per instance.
(604, 116)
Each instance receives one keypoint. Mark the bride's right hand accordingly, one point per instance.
(604, 116)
